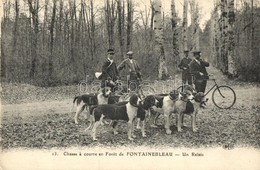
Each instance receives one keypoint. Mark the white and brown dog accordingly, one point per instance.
(181, 107)
(125, 112)
(143, 111)
(192, 109)
(86, 100)
(166, 107)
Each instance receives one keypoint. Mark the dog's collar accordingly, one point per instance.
(134, 105)
(184, 100)
(196, 100)
(172, 98)
(106, 96)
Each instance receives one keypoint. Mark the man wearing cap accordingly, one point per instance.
(198, 69)
(109, 71)
(184, 66)
(134, 74)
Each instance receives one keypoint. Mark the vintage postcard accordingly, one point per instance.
(130, 84)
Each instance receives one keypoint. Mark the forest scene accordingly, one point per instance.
(49, 46)
(51, 42)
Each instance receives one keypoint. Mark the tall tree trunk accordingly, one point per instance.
(231, 40)
(45, 26)
(252, 43)
(224, 26)
(110, 18)
(185, 26)
(194, 25)
(16, 28)
(120, 24)
(129, 25)
(2, 58)
(93, 38)
(152, 19)
(52, 39)
(34, 10)
(214, 36)
(159, 48)
(174, 33)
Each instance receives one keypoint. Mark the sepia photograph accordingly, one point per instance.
(130, 84)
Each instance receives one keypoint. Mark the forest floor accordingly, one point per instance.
(38, 117)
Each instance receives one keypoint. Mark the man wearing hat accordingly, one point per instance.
(198, 69)
(134, 74)
(109, 71)
(184, 66)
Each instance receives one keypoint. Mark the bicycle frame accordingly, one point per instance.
(215, 85)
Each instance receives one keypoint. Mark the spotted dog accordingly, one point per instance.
(166, 107)
(143, 112)
(189, 87)
(192, 109)
(125, 112)
(86, 100)
(181, 106)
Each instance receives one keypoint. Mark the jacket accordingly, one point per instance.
(196, 68)
(109, 70)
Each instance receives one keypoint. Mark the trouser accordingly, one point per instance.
(200, 85)
(186, 77)
(133, 82)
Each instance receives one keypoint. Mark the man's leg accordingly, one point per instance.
(198, 85)
(203, 86)
(189, 77)
(184, 77)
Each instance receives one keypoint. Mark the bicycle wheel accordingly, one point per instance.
(224, 97)
(146, 90)
(180, 89)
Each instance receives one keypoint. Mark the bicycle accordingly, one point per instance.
(143, 88)
(223, 96)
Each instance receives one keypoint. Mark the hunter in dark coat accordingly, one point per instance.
(184, 66)
(198, 69)
(109, 71)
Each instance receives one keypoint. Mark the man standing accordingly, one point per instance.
(134, 74)
(109, 71)
(184, 66)
(198, 69)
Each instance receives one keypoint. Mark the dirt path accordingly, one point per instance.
(248, 96)
(49, 122)
(38, 108)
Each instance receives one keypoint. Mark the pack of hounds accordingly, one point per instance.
(104, 106)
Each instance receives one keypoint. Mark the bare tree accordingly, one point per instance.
(110, 14)
(174, 32)
(34, 10)
(121, 25)
(6, 14)
(159, 48)
(231, 42)
(91, 28)
(194, 25)
(52, 39)
(185, 26)
(214, 35)
(129, 29)
(152, 18)
(224, 33)
(16, 28)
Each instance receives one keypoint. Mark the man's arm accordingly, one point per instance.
(138, 70)
(205, 63)
(117, 72)
(121, 65)
(181, 64)
(194, 69)
(104, 71)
